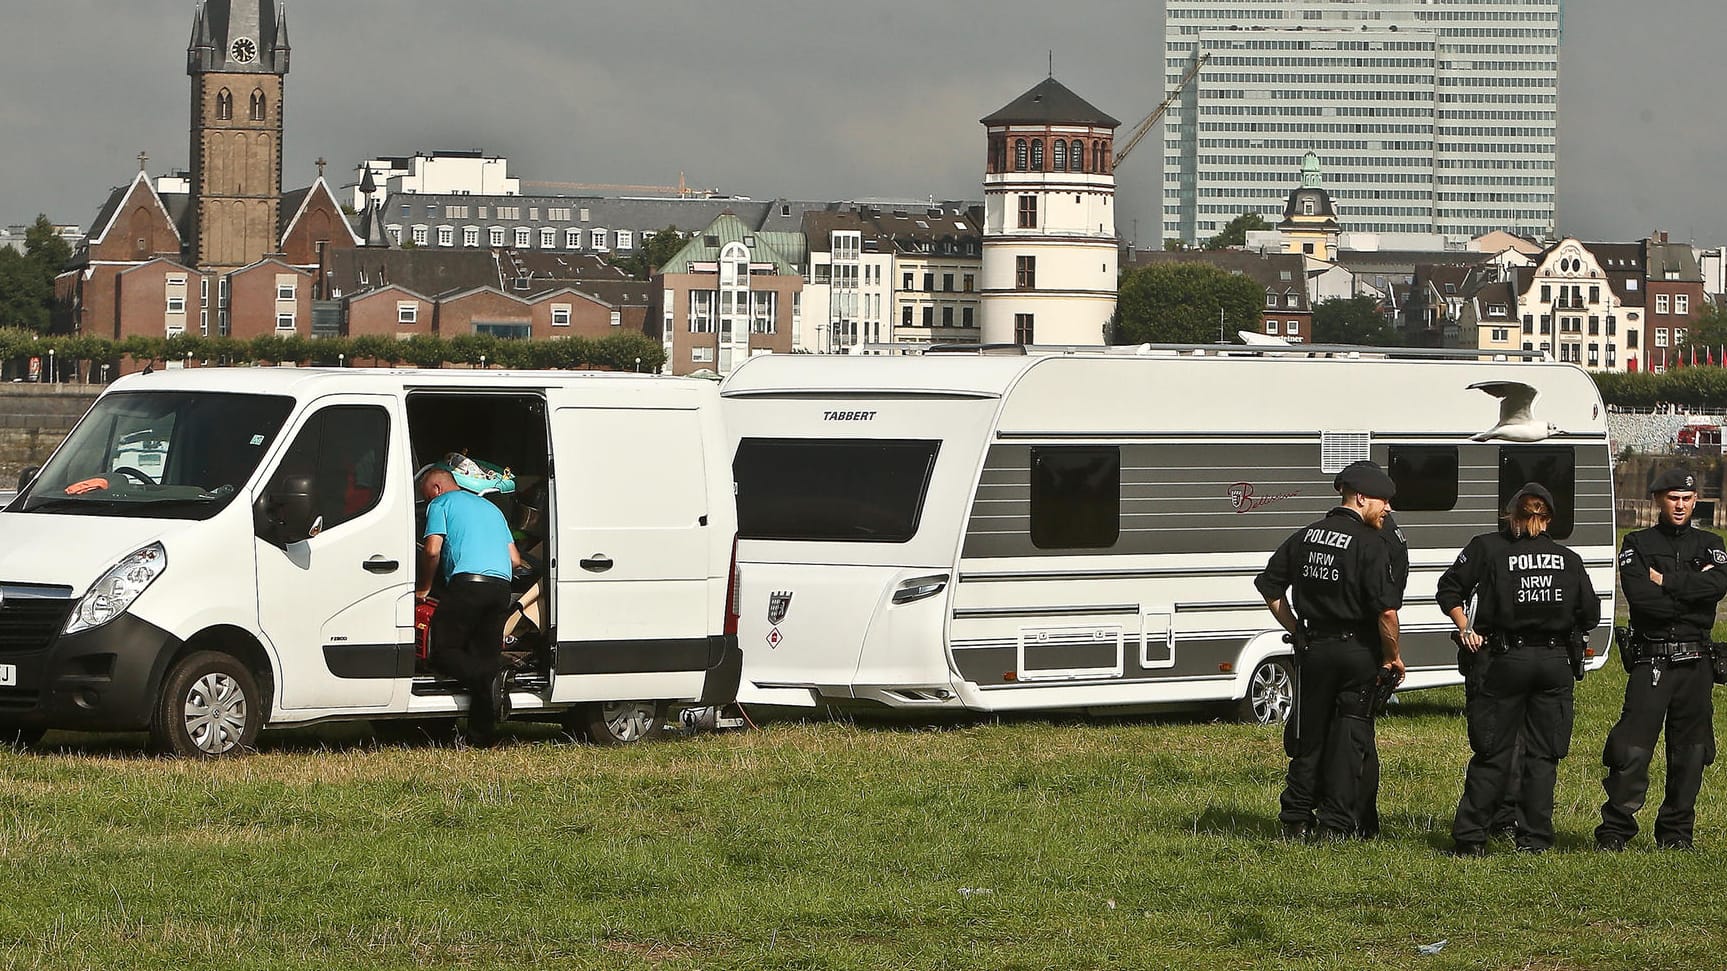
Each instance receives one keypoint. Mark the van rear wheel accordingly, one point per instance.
(209, 708)
(621, 722)
(1270, 693)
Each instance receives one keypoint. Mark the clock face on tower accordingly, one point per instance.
(244, 50)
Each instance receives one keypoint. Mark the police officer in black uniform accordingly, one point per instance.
(1673, 577)
(1397, 548)
(1347, 599)
(1457, 585)
(1535, 596)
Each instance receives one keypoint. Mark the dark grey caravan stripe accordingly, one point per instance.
(1245, 498)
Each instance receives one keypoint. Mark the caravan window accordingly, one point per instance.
(1553, 467)
(1426, 477)
(1075, 497)
(866, 491)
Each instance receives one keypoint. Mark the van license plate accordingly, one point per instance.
(8, 675)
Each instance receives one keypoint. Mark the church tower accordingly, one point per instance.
(237, 60)
(1049, 244)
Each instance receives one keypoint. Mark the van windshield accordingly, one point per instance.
(865, 491)
(158, 455)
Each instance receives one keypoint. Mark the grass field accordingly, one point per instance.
(1022, 844)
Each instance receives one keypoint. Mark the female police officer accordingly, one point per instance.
(1534, 595)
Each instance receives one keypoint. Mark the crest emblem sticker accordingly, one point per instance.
(778, 603)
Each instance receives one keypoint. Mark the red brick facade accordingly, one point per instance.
(690, 352)
(255, 305)
(381, 311)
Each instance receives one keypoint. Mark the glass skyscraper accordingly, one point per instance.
(1429, 116)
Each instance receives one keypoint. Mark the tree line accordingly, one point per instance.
(84, 354)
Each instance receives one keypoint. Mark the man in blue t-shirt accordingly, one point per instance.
(469, 536)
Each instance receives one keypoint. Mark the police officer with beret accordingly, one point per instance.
(1344, 621)
(1673, 576)
(1534, 599)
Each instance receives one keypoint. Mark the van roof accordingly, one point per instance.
(304, 382)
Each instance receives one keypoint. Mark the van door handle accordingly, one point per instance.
(598, 563)
(380, 566)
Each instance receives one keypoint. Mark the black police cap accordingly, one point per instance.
(1537, 490)
(1673, 480)
(1366, 478)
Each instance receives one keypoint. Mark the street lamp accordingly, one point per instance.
(638, 365)
(53, 375)
(482, 362)
(341, 360)
(104, 374)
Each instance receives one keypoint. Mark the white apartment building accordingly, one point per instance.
(1431, 116)
(440, 173)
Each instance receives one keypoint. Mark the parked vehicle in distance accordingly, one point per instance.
(1082, 530)
(216, 551)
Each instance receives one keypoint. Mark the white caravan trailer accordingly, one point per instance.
(1082, 531)
(259, 570)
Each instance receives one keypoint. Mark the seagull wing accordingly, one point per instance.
(1515, 399)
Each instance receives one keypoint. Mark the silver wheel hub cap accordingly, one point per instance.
(628, 720)
(1273, 694)
(215, 713)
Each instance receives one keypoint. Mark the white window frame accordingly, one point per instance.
(573, 238)
(177, 305)
(420, 235)
(496, 235)
(561, 314)
(446, 235)
(524, 238)
(284, 322)
(1660, 337)
(701, 355)
(1272, 327)
(407, 312)
(548, 238)
(1661, 303)
(1682, 303)
(598, 238)
(285, 291)
(626, 239)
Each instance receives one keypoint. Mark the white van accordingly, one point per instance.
(259, 571)
(1082, 531)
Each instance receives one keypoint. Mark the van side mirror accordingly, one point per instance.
(283, 515)
(28, 476)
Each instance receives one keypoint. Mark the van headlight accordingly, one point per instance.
(114, 593)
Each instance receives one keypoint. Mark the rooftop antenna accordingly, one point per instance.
(1052, 62)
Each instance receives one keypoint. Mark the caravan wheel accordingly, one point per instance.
(621, 722)
(1270, 693)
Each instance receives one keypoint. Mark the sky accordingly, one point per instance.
(767, 98)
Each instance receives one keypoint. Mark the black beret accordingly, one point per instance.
(1366, 478)
(1673, 480)
(1537, 490)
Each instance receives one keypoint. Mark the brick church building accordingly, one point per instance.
(220, 250)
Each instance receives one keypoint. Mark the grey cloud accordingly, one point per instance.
(766, 97)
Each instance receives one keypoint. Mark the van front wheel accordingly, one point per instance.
(1270, 693)
(621, 722)
(209, 708)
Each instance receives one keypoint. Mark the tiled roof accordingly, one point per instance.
(783, 250)
(1050, 102)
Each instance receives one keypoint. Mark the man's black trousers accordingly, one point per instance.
(1681, 698)
(1330, 735)
(1525, 692)
(467, 640)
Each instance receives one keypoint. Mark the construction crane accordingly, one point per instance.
(682, 190)
(1140, 130)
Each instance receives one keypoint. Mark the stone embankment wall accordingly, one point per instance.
(1648, 432)
(34, 421)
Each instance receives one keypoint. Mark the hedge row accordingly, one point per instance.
(1700, 388)
(617, 352)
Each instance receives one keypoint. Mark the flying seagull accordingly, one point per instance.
(1516, 424)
